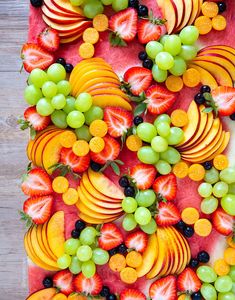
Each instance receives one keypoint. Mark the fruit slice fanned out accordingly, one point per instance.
(164, 288)
(46, 294)
(143, 175)
(224, 98)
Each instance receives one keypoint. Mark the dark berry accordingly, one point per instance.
(129, 191)
(122, 249)
(207, 165)
(205, 89)
(111, 297)
(123, 181)
(134, 3)
(143, 11)
(196, 296)
(95, 166)
(80, 225)
(113, 251)
(188, 231)
(203, 257)
(61, 61)
(47, 282)
(142, 55)
(36, 3)
(105, 291)
(68, 68)
(222, 6)
(181, 225)
(232, 117)
(199, 98)
(193, 263)
(75, 234)
(148, 63)
(138, 120)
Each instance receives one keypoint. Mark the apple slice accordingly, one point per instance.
(91, 220)
(170, 15)
(206, 77)
(45, 294)
(45, 241)
(194, 13)
(66, 6)
(51, 6)
(188, 4)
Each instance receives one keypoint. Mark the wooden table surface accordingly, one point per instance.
(13, 262)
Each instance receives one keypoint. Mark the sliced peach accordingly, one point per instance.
(45, 294)
(179, 252)
(194, 13)
(45, 241)
(41, 242)
(218, 53)
(174, 259)
(179, 11)
(103, 85)
(206, 77)
(109, 91)
(223, 47)
(111, 100)
(187, 14)
(166, 267)
(67, 7)
(175, 250)
(59, 19)
(169, 15)
(49, 4)
(29, 148)
(200, 2)
(70, 39)
(91, 220)
(94, 81)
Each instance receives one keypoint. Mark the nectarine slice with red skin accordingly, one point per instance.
(218, 53)
(179, 8)
(94, 81)
(200, 2)
(176, 253)
(91, 220)
(70, 39)
(109, 91)
(54, 9)
(195, 9)
(188, 6)
(111, 100)
(67, 7)
(222, 47)
(45, 294)
(174, 259)
(206, 77)
(103, 85)
(45, 240)
(169, 258)
(29, 148)
(170, 15)
(59, 19)
(41, 242)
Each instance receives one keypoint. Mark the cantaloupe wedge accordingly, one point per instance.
(45, 294)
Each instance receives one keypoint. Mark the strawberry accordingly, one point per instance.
(165, 187)
(222, 222)
(110, 152)
(188, 281)
(118, 120)
(137, 240)
(63, 280)
(78, 164)
(34, 56)
(124, 27)
(159, 99)
(37, 183)
(163, 289)
(149, 30)
(143, 175)
(132, 294)
(168, 214)
(138, 79)
(89, 286)
(110, 236)
(223, 100)
(37, 210)
(49, 39)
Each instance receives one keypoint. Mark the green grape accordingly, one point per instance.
(129, 205)
(159, 144)
(179, 67)
(91, 9)
(38, 77)
(56, 72)
(58, 101)
(171, 155)
(32, 94)
(223, 284)
(49, 89)
(150, 228)
(163, 167)
(64, 261)
(209, 205)
(94, 113)
(83, 102)
(87, 236)
(163, 128)
(176, 136)
(58, 118)
(162, 118)
(75, 119)
(142, 215)
(83, 133)
(84, 253)
(76, 2)
(233, 288)
(220, 189)
(206, 274)
(164, 60)
(75, 266)
(118, 5)
(153, 48)
(64, 87)
(173, 44)
(107, 2)
(228, 175)
(158, 74)
(231, 188)
(164, 38)
(188, 52)
(189, 35)
(100, 256)
(146, 132)
(232, 273)
(145, 198)
(226, 296)
(208, 291)
(70, 105)
(147, 155)
(129, 223)
(71, 246)
(228, 204)
(88, 269)
(205, 189)
(44, 107)
(211, 176)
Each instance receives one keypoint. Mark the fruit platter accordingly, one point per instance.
(130, 186)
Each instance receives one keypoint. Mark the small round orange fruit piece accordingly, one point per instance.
(67, 139)
(133, 143)
(97, 144)
(196, 172)
(101, 22)
(210, 9)
(219, 23)
(86, 50)
(128, 275)
(203, 24)
(81, 148)
(180, 169)
(70, 197)
(203, 227)
(117, 262)
(134, 259)
(90, 35)
(190, 215)
(174, 83)
(221, 267)
(191, 77)
(98, 128)
(60, 184)
(220, 162)
(229, 256)
(179, 118)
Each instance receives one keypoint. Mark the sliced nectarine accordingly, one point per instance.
(67, 7)
(223, 47)
(65, 40)
(45, 294)
(200, 2)
(45, 241)
(179, 11)
(170, 15)
(174, 259)
(59, 19)
(111, 100)
(40, 241)
(206, 77)
(50, 5)
(218, 53)
(29, 148)
(177, 256)
(179, 248)
(91, 220)
(94, 81)
(102, 85)
(167, 265)
(187, 14)
(195, 9)
(109, 91)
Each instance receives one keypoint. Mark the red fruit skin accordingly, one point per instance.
(144, 175)
(132, 294)
(164, 289)
(78, 164)
(92, 286)
(168, 214)
(222, 222)
(63, 280)
(35, 120)
(188, 281)
(224, 98)
(49, 39)
(166, 186)
(148, 31)
(137, 240)
(110, 236)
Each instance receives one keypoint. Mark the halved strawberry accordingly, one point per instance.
(78, 164)
(163, 289)
(132, 294)
(34, 56)
(168, 214)
(188, 281)
(148, 30)
(124, 26)
(88, 286)
(118, 120)
(224, 100)
(159, 99)
(63, 280)
(138, 79)
(143, 175)
(110, 236)
(49, 39)
(137, 240)
(36, 183)
(110, 152)
(222, 222)
(165, 187)
(37, 209)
